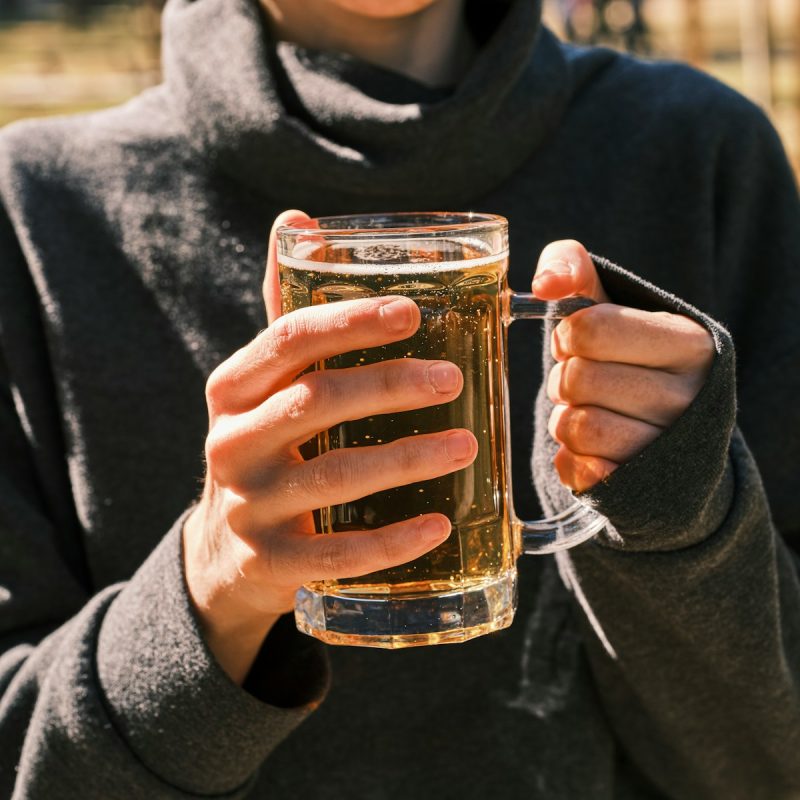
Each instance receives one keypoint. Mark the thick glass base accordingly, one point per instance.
(407, 620)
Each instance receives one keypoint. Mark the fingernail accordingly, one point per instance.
(444, 377)
(397, 316)
(555, 268)
(458, 446)
(434, 529)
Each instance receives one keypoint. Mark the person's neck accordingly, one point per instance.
(433, 46)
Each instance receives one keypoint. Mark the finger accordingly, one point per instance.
(298, 339)
(656, 339)
(579, 472)
(649, 395)
(320, 400)
(592, 431)
(350, 473)
(565, 269)
(271, 288)
(352, 553)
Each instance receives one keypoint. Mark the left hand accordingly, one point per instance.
(621, 375)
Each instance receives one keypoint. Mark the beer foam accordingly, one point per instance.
(391, 268)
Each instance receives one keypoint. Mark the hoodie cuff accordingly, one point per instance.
(679, 489)
(176, 708)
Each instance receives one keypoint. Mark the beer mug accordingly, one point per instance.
(453, 265)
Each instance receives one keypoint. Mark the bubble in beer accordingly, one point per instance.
(458, 301)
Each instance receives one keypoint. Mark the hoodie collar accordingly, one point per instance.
(296, 123)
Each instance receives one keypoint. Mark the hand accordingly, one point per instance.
(250, 543)
(621, 375)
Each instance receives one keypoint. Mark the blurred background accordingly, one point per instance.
(62, 56)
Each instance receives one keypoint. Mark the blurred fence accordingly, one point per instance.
(63, 57)
(753, 45)
(75, 55)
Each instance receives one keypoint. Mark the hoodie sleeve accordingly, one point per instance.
(112, 693)
(691, 596)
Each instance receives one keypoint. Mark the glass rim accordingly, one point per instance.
(469, 222)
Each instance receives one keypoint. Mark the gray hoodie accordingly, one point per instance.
(661, 660)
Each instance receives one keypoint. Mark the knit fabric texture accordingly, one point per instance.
(660, 660)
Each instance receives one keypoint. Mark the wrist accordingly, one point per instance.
(232, 631)
(236, 645)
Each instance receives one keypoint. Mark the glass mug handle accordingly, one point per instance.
(578, 522)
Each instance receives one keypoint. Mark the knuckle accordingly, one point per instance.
(234, 522)
(584, 473)
(329, 556)
(554, 383)
(218, 449)
(588, 426)
(328, 474)
(295, 401)
(217, 386)
(562, 425)
(341, 318)
(281, 558)
(320, 389)
(221, 466)
(578, 427)
(389, 549)
(596, 321)
(332, 555)
(238, 517)
(404, 377)
(698, 347)
(213, 448)
(577, 331)
(390, 378)
(576, 471)
(681, 397)
(564, 465)
(260, 565)
(682, 393)
(705, 347)
(281, 337)
(411, 452)
(573, 379)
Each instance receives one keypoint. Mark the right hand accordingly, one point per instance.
(250, 543)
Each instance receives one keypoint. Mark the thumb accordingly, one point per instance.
(565, 269)
(271, 288)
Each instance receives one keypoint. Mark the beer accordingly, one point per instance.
(460, 310)
(453, 265)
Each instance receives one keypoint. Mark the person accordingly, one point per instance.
(148, 648)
